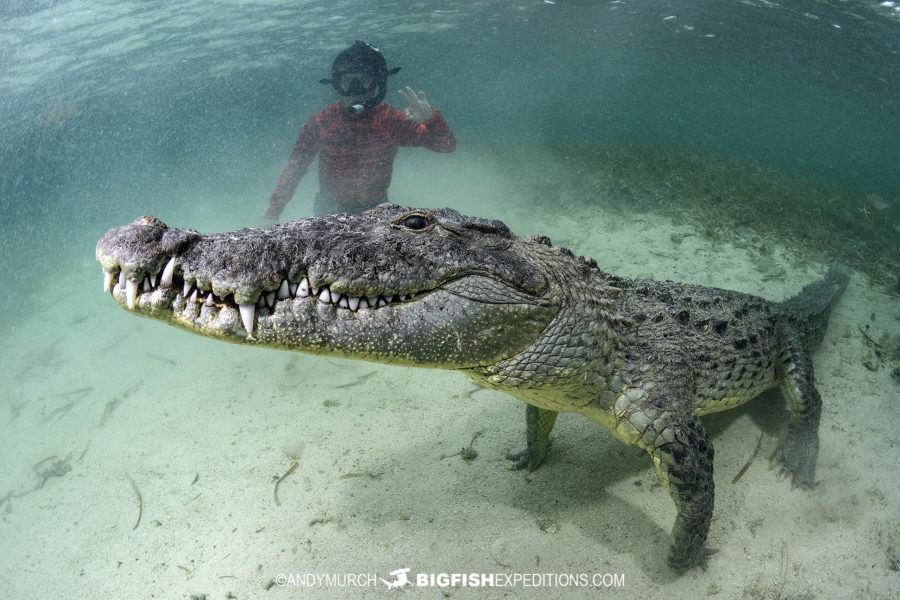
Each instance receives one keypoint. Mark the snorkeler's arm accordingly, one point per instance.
(418, 110)
(304, 151)
(432, 133)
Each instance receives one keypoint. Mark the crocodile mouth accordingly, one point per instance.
(190, 296)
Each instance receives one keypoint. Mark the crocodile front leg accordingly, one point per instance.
(538, 424)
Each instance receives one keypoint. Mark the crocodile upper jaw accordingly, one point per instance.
(458, 298)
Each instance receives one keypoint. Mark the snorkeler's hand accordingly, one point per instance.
(418, 110)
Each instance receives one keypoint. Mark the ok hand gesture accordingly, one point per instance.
(418, 110)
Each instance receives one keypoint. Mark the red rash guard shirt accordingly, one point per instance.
(356, 154)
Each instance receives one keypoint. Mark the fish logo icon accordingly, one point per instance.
(400, 579)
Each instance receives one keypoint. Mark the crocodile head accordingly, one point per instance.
(396, 285)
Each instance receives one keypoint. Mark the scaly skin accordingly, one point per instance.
(642, 358)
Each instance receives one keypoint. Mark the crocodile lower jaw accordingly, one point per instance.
(190, 298)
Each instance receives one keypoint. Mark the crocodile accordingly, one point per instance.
(435, 288)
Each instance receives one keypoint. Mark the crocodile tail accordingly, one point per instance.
(810, 308)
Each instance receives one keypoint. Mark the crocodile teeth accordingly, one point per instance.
(168, 273)
(130, 292)
(268, 300)
(248, 311)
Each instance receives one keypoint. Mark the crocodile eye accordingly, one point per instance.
(415, 222)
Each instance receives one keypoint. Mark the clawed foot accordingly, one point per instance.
(681, 561)
(525, 459)
(796, 456)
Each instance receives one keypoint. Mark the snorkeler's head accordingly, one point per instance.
(359, 74)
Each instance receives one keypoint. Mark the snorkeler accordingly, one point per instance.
(358, 137)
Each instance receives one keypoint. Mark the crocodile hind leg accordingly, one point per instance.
(796, 452)
(683, 456)
(538, 424)
(673, 434)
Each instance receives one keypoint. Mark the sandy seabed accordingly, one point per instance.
(140, 461)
